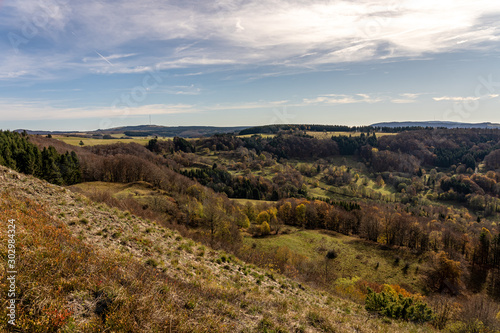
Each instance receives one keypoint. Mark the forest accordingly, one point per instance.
(434, 193)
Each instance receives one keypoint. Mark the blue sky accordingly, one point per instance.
(83, 65)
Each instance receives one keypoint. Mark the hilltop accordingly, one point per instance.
(84, 267)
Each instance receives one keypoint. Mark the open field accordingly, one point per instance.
(75, 141)
(259, 134)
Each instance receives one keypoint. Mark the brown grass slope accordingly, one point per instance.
(84, 267)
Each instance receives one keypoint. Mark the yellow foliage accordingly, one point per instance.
(265, 229)
(263, 217)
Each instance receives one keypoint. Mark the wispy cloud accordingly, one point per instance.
(402, 98)
(344, 99)
(180, 90)
(18, 110)
(406, 98)
(33, 110)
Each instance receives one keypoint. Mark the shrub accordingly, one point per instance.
(332, 254)
(265, 229)
(353, 288)
(397, 305)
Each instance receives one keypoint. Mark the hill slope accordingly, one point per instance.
(84, 267)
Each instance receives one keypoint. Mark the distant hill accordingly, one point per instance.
(181, 131)
(199, 131)
(151, 130)
(446, 124)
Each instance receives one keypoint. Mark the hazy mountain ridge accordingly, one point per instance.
(149, 130)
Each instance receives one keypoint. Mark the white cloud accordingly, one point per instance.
(464, 98)
(136, 36)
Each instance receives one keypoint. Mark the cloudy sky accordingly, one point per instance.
(81, 65)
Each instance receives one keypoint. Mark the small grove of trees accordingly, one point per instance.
(337, 176)
(18, 153)
(170, 146)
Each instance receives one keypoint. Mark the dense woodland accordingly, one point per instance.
(434, 191)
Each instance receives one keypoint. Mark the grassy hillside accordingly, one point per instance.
(356, 258)
(84, 267)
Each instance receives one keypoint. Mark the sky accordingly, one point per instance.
(85, 65)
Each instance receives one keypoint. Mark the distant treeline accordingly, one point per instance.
(274, 129)
(18, 153)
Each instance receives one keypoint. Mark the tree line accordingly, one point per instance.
(18, 153)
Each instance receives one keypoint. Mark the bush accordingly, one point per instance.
(397, 305)
(265, 229)
(332, 254)
(151, 262)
